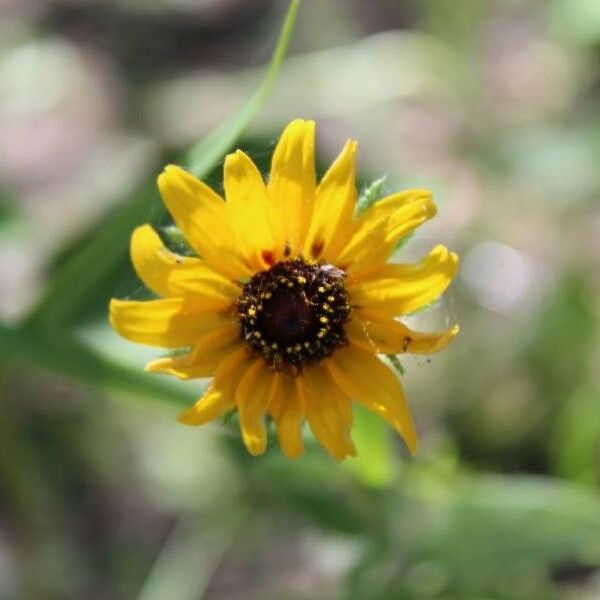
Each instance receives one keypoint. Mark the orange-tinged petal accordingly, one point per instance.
(292, 181)
(220, 395)
(389, 336)
(201, 215)
(287, 408)
(328, 412)
(252, 397)
(205, 357)
(170, 274)
(248, 206)
(398, 289)
(336, 195)
(364, 378)
(399, 214)
(168, 323)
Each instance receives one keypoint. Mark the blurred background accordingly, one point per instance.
(495, 106)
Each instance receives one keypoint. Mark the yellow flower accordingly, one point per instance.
(290, 299)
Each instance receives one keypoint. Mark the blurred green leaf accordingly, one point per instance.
(9, 219)
(95, 265)
(319, 488)
(497, 536)
(575, 443)
(375, 464)
(559, 345)
(579, 19)
(373, 192)
(65, 356)
(5, 212)
(175, 240)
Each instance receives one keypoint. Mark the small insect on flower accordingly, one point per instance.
(290, 299)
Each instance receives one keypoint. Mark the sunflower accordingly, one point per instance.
(290, 299)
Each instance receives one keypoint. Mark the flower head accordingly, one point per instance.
(290, 298)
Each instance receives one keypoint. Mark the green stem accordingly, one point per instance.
(205, 155)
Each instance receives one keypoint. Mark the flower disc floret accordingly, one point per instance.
(293, 314)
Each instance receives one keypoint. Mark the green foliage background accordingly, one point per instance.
(492, 105)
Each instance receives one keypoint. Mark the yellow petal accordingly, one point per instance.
(220, 395)
(388, 336)
(169, 274)
(336, 195)
(367, 380)
(248, 208)
(252, 397)
(360, 251)
(201, 215)
(398, 289)
(398, 214)
(405, 211)
(328, 411)
(168, 323)
(287, 408)
(292, 181)
(204, 359)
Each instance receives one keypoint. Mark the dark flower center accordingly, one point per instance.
(294, 313)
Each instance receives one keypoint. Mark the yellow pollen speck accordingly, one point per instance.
(301, 279)
(323, 319)
(331, 298)
(297, 348)
(252, 311)
(274, 346)
(307, 344)
(289, 349)
(321, 289)
(325, 306)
